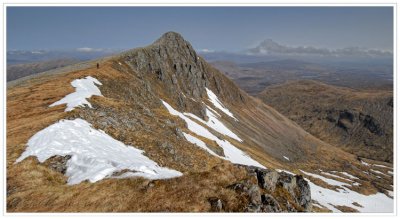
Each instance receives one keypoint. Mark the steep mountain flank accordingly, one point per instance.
(166, 105)
(361, 122)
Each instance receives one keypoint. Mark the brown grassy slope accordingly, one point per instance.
(361, 122)
(33, 187)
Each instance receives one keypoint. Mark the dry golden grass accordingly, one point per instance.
(33, 187)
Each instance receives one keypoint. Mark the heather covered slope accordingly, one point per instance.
(153, 98)
(359, 121)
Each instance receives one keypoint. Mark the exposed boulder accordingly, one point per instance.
(274, 191)
(267, 179)
(269, 204)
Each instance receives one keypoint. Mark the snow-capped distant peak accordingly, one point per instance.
(94, 154)
(84, 88)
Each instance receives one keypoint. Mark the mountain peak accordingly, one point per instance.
(171, 36)
(174, 42)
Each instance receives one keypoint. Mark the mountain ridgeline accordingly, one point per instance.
(177, 65)
(167, 101)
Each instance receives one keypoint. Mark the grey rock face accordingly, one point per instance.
(287, 181)
(267, 179)
(304, 195)
(267, 192)
(254, 194)
(269, 204)
(170, 59)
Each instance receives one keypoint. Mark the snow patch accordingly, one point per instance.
(199, 143)
(94, 154)
(383, 166)
(377, 203)
(329, 181)
(286, 158)
(217, 103)
(317, 205)
(84, 88)
(365, 163)
(349, 175)
(335, 176)
(232, 153)
(215, 124)
(215, 112)
(378, 172)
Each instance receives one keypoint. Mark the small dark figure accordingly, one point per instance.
(98, 65)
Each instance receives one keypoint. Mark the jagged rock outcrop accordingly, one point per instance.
(272, 191)
(170, 58)
(174, 63)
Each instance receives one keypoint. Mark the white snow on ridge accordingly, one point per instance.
(192, 126)
(378, 172)
(84, 88)
(329, 181)
(95, 155)
(349, 175)
(317, 205)
(199, 143)
(336, 176)
(365, 163)
(232, 153)
(217, 103)
(215, 112)
(286, 158)
(376, 203)
(215, 124)
(383, 166)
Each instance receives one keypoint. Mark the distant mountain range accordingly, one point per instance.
(254, 77)
(270, 47)
(29, 56)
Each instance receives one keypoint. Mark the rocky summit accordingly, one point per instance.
(158, 129)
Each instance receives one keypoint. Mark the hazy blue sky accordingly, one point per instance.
(231, 29)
